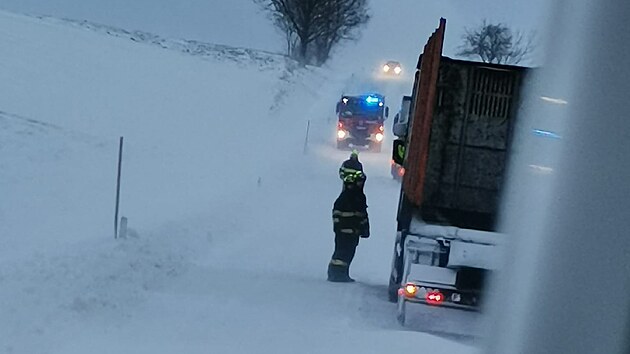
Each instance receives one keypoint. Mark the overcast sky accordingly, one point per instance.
(240, 22)
(234, 22)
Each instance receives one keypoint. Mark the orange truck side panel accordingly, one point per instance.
(420, 129)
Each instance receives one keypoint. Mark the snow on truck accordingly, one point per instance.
(454, 150)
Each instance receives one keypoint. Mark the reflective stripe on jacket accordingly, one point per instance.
(350, 213)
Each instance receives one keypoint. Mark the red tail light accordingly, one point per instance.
(381, 128)
(435, 297)
(339, 125)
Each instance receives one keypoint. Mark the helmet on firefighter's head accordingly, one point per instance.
(354, 154)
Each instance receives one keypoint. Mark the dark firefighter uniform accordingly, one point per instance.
(349, 169)
(350, 222)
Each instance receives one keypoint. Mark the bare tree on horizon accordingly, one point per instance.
(313, 28)
(496, 43)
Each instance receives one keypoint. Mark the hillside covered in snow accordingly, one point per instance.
(229, 213)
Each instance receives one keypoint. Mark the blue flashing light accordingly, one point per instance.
(372, 100)
(546, 134)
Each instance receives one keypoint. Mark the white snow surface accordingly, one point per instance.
(230, 226)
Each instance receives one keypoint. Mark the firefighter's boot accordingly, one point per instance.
(338, 272)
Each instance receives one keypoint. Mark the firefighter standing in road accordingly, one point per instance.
(350, 166)
(350, 223)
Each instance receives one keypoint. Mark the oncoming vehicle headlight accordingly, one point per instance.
(341, 134)
(397, 70)
(386, 68)
(379, 137)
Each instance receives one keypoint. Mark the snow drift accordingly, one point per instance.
(231, 220)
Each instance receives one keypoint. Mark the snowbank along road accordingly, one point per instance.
(230, 220)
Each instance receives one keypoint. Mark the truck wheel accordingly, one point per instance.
(394, 284)
(401, 311)
(392, 290)
(341, 145)
(375, 147)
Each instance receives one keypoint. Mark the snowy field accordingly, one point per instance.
(230, 219)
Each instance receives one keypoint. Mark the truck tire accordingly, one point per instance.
(401, 311)
(375, 147)
(392, 290)
(342, 145)
(395, 275)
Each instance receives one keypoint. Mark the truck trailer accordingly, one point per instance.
(454, 149)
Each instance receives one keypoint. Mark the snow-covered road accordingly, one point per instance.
(232, 220)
